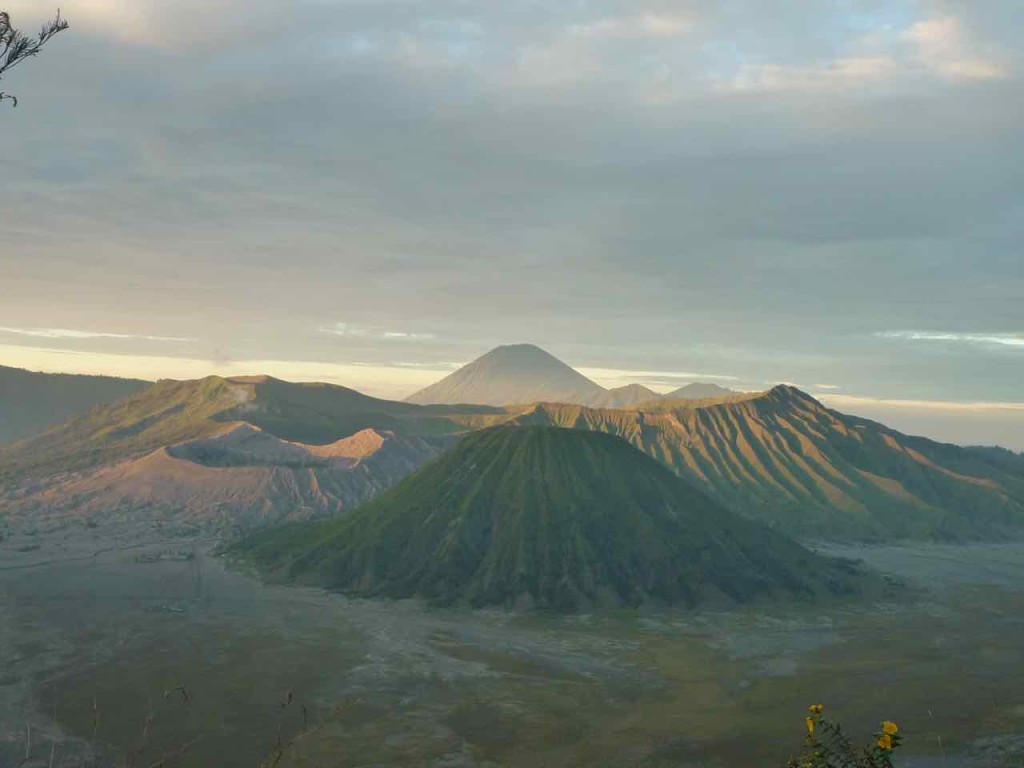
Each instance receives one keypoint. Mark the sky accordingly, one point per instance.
(373, 192)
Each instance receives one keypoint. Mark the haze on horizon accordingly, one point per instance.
(372, 193)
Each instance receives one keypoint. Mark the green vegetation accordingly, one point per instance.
(553, 518)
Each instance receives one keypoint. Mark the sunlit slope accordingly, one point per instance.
(238, 479)
(171, 412)
(32, 402)
(783, 458)
(546, 517)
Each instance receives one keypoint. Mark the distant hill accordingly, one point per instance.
(237, 452)
(623, 397)
(32, 402)
(699, 390)
(550, 518)
(518, 373)
(783, 458)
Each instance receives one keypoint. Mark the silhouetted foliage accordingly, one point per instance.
(16, 46)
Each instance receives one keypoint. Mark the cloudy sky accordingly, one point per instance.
(372, 192)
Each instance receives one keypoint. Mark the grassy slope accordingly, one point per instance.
(550, 517)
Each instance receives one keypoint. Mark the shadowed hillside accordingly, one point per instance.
(32, 402)
(552, 518)
(783, 458)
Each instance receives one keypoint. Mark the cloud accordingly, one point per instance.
(664, 380)
(348, 330)
(1014, 340)
(938, 47)
(944, 47)
(643, 25)
(157, 23)
(398, 163)
(842, 73)
(67, 333)
(855, 401)
(447, 366)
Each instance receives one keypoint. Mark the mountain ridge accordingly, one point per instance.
(778, 456)
(784, 458)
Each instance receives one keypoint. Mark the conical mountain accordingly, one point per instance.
(553, 518)
(515, 373)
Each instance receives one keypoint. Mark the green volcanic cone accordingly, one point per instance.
(546, 517)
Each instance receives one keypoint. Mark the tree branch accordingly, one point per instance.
(16, 46)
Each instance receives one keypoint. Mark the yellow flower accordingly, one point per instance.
(890, 728)
(885, 741)
(810, 724)
(816, 709)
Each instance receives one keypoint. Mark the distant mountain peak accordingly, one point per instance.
(510, 374)
(633, 388)
(523, 347)
(253, 379)
(788, 393)
(624, 397)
